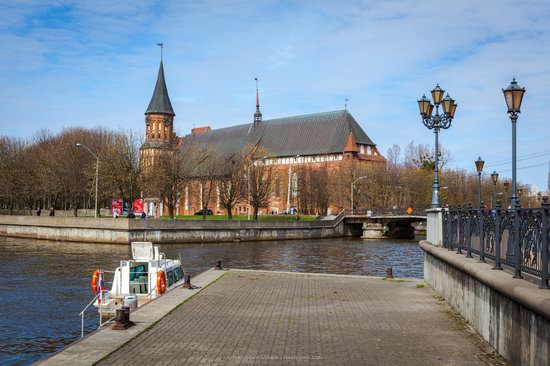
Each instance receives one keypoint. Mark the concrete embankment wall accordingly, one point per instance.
(513, 315)
(124, 231)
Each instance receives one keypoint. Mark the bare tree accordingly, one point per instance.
(261, 180)
(231, 183)
(121, 167)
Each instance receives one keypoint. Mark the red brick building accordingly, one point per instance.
(326, 139)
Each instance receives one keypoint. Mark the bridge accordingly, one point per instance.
(371, 225)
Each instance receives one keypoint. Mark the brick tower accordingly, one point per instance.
(160, 138)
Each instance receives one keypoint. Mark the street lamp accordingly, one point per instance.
(352, 185)
(479, 167)
(437, 122)
(78, 144)
(248, 182)
(289, 185)
(513, 95)
(494, 178)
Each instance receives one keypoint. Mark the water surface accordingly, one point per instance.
(44, 285)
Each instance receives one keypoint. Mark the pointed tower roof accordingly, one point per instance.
(160, 102)
(257, 114)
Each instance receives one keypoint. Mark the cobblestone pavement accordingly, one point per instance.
(261, 318)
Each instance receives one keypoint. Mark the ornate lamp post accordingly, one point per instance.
(494, 178)
(479, 167)
(513, 95)
(437, 122)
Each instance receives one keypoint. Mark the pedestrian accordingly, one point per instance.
(39, 211)
(52, 212)
(143, 215)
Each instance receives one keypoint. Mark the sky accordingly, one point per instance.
(95, 63)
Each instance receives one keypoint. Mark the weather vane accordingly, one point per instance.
(161, 47)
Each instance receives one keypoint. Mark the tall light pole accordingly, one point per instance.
(78, 144)
(513, 95)
(248, 182)
(437, 122)
(352, 185)
(289, 185)
(494, 178)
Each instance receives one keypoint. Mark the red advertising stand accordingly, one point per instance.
(116, 206)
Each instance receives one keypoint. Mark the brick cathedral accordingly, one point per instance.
(326, 139)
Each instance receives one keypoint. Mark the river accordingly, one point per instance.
(44, 285)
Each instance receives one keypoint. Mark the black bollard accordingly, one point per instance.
(122, 319)
(389, 272)
(218, 265)
(187, 282)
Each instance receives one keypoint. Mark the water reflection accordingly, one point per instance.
(44, 285)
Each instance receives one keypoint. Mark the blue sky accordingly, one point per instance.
(94, 63)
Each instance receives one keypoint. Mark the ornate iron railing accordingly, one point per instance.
(500, 234)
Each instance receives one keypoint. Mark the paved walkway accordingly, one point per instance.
(261, 318)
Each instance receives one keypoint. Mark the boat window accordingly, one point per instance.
(178, 274)
(170, 278)
(139, 279)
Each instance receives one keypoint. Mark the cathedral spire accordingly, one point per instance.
(257, 114)
(160, 102)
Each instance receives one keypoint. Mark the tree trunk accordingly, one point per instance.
(255, 213)
(229, 213)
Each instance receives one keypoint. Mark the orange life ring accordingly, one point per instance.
(161, 282)
(95, 279)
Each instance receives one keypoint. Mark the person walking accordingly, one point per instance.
(52, 212)
(39, 211)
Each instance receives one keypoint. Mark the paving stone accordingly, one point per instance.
(262, 318)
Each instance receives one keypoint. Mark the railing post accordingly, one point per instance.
(544, 245)
(469, 232)
(449, 229)
(481, 233)
(460, 233)
(497, 236)
(517, 244)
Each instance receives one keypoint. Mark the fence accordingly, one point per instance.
(501, 234)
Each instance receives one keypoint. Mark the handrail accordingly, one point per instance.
(82, 315)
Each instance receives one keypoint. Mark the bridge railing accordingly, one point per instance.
(369, 212)
(517, 238)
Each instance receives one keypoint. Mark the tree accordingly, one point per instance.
(231, 184)
(120, 166)
(204, 163)
(260, 176)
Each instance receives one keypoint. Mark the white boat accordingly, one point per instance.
(139, 280)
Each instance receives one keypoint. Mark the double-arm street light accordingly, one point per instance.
(248, 181)
(78, 144)
(513, 95)
(437, 122)
(494, 178)
(352, 185)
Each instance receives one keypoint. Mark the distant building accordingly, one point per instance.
(325, 139)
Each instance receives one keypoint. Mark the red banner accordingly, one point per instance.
(116, 206)
(137, 206)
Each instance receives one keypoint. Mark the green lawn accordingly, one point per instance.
(244, 217)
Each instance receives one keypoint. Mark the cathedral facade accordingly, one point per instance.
(318, 141)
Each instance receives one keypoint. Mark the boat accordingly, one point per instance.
(148, 275)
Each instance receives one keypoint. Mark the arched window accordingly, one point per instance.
(294, 191)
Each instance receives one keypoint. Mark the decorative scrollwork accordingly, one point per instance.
(167, 120)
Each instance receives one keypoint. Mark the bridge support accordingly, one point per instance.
(434, 233)
(373, 230)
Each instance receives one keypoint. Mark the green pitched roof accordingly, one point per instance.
(311, 134)
(160, 102)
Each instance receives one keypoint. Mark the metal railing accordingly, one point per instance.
(517, 237)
